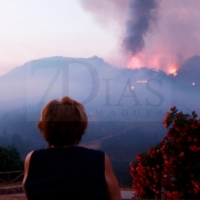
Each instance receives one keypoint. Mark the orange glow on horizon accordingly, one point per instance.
(172, 69)
(134, 62)
(154, 62)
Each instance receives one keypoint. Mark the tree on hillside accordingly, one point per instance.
(10, 159)
(177, 156)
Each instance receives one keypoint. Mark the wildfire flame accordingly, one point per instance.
(173, 72)
(154, 61)
(134, 63)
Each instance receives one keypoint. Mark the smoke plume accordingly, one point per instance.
(159, 34)
(141, 17)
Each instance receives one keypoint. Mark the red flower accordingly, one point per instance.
(196, 139)
(178, 152)
(189, 139)
(173, 108)
(181, 154)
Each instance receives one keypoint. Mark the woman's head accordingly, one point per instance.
(63, 122)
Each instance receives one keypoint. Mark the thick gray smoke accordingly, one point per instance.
(159, 33)
(141, 15)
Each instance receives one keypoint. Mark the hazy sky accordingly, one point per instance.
(35, 29)
(158, 34)
(83, 28)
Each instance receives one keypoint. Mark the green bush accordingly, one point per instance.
(10, 159)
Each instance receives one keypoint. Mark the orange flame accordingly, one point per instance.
(155, 61)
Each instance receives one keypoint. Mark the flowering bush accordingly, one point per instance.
(146, 173)
(178, 153)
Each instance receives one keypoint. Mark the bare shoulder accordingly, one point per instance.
(109, 174)
(107, 161)
(113, 189)
(27, 162)
(26, 168)
(28, 157)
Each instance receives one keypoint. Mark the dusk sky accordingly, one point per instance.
(84, 28)
(37, 29)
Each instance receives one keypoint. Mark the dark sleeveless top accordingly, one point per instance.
(73, 173)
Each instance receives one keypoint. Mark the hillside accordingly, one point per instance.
(125, 107)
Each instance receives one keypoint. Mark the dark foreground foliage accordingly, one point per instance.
(10, 159)
(178, 154)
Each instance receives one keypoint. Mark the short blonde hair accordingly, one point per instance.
(63, 122)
